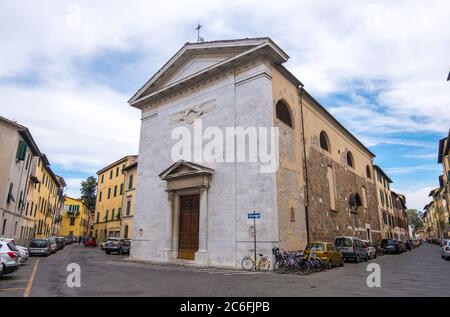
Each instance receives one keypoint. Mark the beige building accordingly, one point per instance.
(16, 157)
(385, 205)
(130, 173)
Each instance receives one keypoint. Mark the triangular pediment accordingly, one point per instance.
(185, 169)
(195, 59)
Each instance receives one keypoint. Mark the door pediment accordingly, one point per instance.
(183, 169)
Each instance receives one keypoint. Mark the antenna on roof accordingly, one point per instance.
(199, 39)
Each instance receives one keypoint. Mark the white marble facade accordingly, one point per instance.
(232, 91)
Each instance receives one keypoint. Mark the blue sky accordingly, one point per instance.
(68, 69)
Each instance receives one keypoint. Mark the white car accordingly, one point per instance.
(445, 250)
(23, 254)
(371, 250)
(112, 239)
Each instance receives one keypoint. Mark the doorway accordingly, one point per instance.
(189, 226)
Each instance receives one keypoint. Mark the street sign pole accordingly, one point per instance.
(254, 236)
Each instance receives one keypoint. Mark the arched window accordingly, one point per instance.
(369, 174)
(354, 201)
(350, 161)
(283, 113)
(324, 141)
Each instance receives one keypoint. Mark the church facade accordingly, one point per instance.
(190, 206)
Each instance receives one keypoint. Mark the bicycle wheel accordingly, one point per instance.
(248, 264)
(264, 264)
(304, 268)
(280, 267)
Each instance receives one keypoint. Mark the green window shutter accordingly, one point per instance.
(130, 183)
(21, 150)
(128, 207)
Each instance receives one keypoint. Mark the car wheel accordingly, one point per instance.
(108, 252)
(375, 256)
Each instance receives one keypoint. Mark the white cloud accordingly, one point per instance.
(73, 187)
(417, 198)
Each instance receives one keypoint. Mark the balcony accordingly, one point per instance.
(72, 214)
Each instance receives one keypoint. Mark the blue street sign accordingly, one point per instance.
(254, 216)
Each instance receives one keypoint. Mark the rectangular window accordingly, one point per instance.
(107, 214)
(364, 197)
(117, 171)
(109, 193)
(21, 150)
(119, 213)
(331, 185)
(115, 191)
(112, 214)
(98, 217)
(130, 182)
(103, 178)
(110, 174)
(382, 197)
(4, 227)
(100, 197)
(72, 222)
(10, 197)
(128, 207)
(121, 189)
(28, 162)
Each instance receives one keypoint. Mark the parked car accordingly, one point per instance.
(327, 252)
(23, 254)
(126, 246)
(121, 246)
(9, 257)
(59, 243)
(351, 248)
(40, 247)
(408, 245)
(390, 246)
(445, 250)
(90, 242)
(53, 244)
(102, 245)
(371, 250)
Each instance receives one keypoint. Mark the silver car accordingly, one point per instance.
(23, 254)
(9, 257)
(40, 247)
(53, 244)
(445, 250)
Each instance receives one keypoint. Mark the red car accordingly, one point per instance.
(90, 242)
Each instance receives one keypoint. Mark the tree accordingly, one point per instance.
(415, 217)
(89, 192)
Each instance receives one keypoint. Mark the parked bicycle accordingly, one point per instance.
(290, 262)
(262, 264)
(380, 251)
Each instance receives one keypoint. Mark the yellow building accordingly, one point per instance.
(46, 198)
(111, 199)
(75, 218)
(129, 201)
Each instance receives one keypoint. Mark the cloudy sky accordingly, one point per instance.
(67, 69)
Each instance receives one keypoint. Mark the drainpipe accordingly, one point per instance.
(305, 165)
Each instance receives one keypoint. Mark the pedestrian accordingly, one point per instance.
(79, 240)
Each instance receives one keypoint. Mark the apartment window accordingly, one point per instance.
(325, 141)
(72, 222)
(10, 197)
(4, 227)
(100, 197)
(117, 171)
(98, 217)
(112, 214)
(21, 151)
(128, 207)
(110, 174)
(20, 200)
(382, 197)
(121, 189)
(119, 213)
(109, 193)
(28, 162)
(123, 166)
(130, 182)
(107, 215)
(103, 178)
(332, 187)
(115, 191)
(283, 113)
(369, 174)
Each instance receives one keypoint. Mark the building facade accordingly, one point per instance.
(111, 196)
(197, 209)
(31, 193)
(130, 173)
(75, 220)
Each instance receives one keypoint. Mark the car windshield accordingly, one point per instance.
(343, 242)
(38, 244)
(387, 241)
(317, 246)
